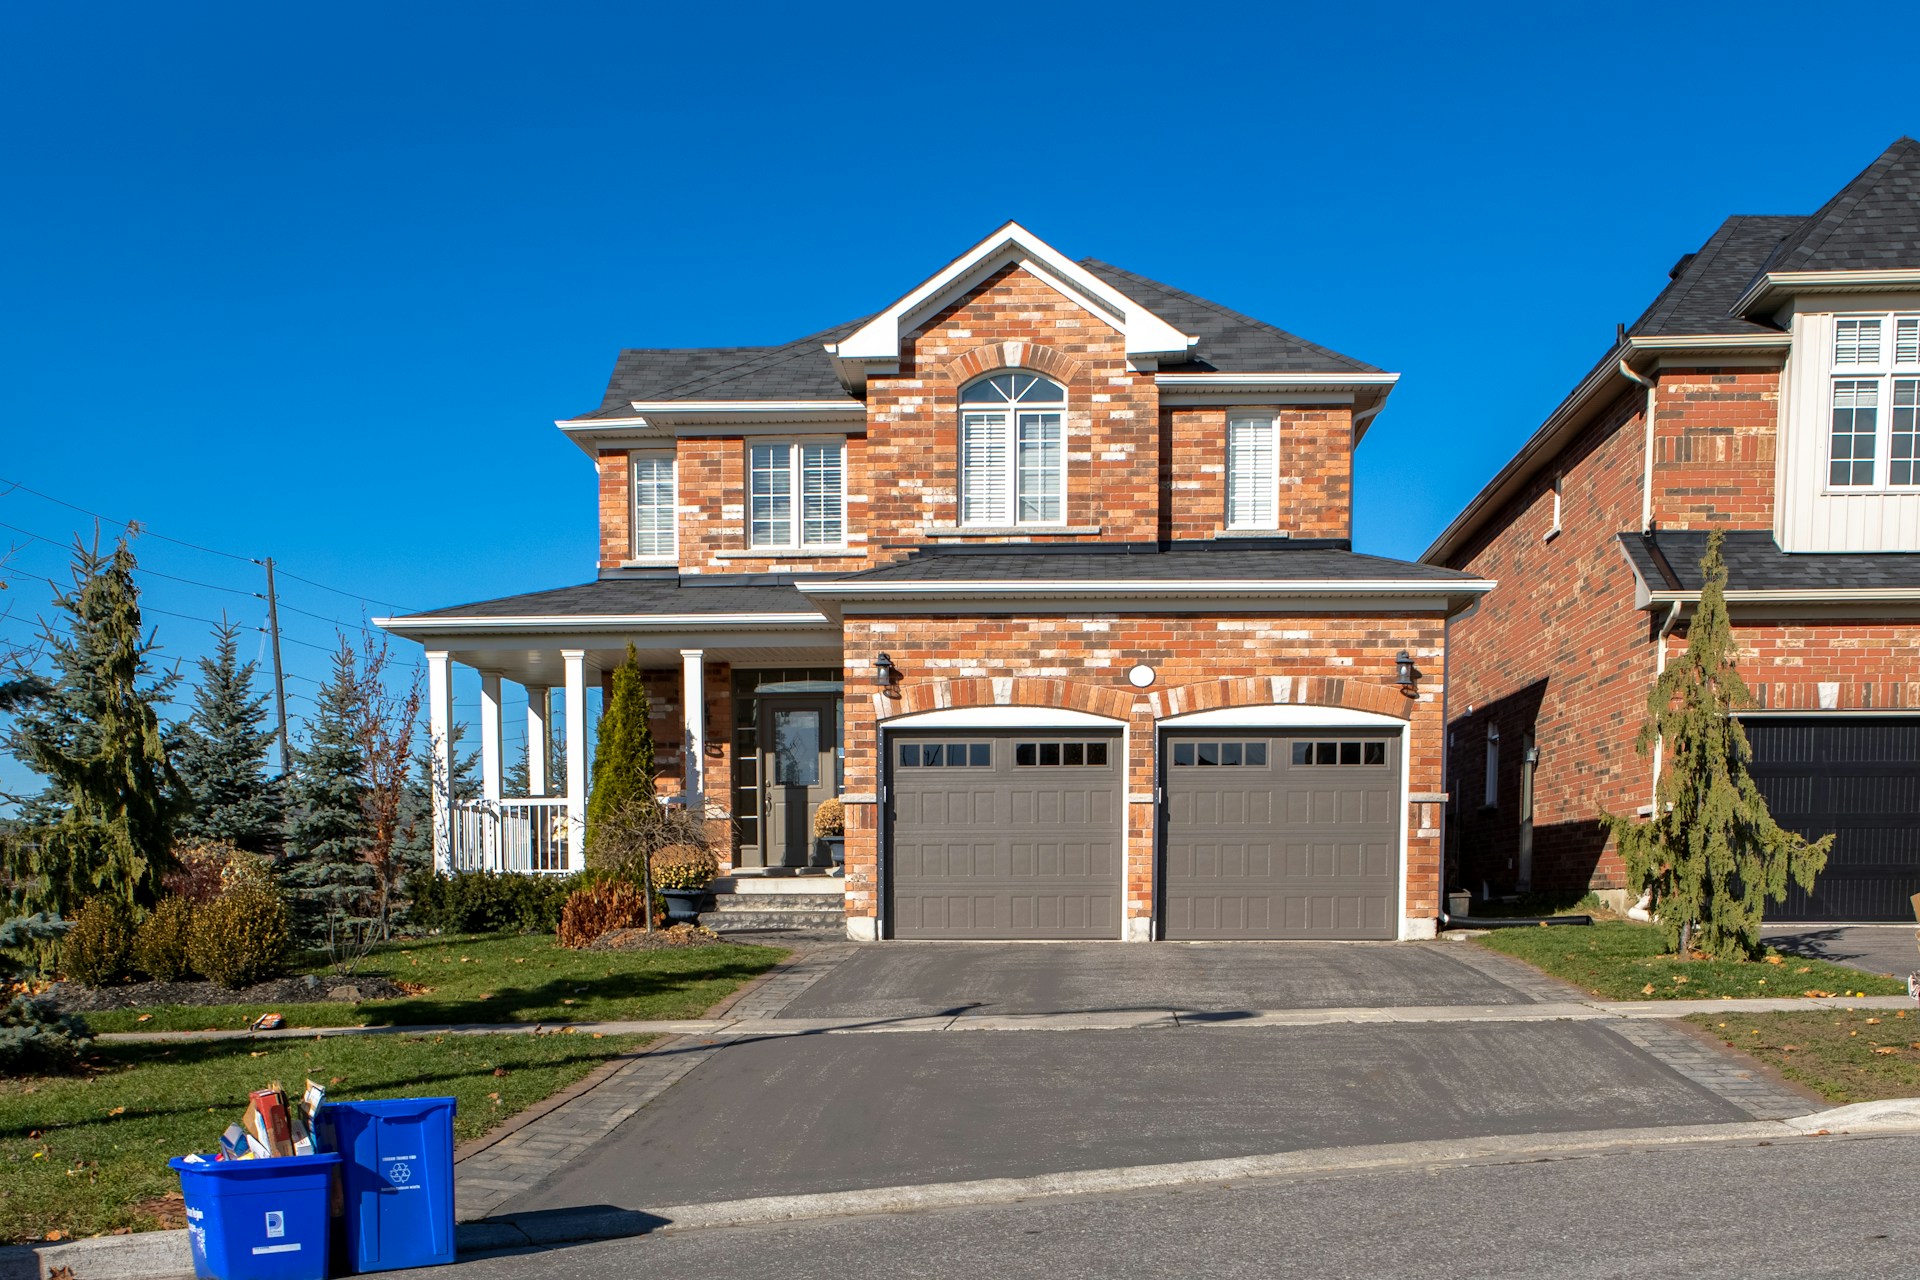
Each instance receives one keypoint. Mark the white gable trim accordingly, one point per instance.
(875, 346)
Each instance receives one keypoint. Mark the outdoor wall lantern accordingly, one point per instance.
(889, 674)
(1406, 674)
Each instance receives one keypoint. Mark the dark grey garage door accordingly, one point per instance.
(1860, 779)
(1281, 835)
(1005, 835)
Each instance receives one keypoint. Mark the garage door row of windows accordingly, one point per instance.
(1026, 755)
(1254, 754)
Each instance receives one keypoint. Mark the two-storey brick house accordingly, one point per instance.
(1044, 570)
(1770, 391)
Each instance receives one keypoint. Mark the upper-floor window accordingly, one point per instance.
(1874, 436)
(654, 507)
(1253, 471)
(796, 494)
(1013, 461)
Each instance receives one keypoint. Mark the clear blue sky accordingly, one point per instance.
(314, 281)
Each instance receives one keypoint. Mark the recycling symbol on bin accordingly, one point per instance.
(400, 1174)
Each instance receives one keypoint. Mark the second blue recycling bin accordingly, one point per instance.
(397, 1162)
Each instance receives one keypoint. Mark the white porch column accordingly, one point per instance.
(575, 662)
(693, 702)
(440, 746)
(490, 735)
(539, 707)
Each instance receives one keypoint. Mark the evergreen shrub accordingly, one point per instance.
(241, 937)
(35, 1037)
(162, 943)
(98, 949)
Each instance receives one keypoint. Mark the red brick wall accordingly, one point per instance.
(1872, 666)
(1713, 448)
(1082, 663)
(712, 477)
(1557, 648)
(615, 483)
(1316, 471)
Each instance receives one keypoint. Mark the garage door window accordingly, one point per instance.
(1064, 755)
(1220, 754)
(946, 755)
(1340, 753)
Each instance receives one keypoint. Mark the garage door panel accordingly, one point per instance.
(1043, 847)
(1288, 849)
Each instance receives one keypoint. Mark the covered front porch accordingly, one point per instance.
(746, 715)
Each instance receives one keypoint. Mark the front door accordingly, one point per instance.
(798, 738)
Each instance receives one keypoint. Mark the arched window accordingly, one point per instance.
(1013, 467)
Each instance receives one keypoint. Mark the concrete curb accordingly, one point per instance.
(164, 1255)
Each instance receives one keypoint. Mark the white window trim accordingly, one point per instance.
(1883, 372)
(796, 545)
(672, 553)
(1011, 437)
(1272, 421)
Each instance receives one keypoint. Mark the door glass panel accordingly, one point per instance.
(796, 748)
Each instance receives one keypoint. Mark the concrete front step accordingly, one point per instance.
(785, 902)
(833, 921)
(780, 886)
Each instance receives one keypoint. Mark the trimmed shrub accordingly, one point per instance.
(486, 902)
(163, 941)
(599, 908)
(241, 937)
(35, 1037)
(684, 866)
(98, 949)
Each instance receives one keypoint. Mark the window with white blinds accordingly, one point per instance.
(1013, 451)
(654, 510)
(1873, 438)
(796, 494)
(1253, 472)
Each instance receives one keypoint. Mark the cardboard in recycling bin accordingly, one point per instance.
(397, 1179)
(261, 1219)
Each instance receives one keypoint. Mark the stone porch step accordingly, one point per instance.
(781, 886)
(832, 921)
(779, 903)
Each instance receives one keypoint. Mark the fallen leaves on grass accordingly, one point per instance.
(1885, 1049)
(1775, 958)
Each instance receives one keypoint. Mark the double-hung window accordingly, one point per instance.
(1253, 471)
(1013, 461)
(654, 512)
(1874, 433)
(796, 494)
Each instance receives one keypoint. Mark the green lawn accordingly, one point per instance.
(493, 978)
(1622, 960)
(1851, 1055)
(86, 1153)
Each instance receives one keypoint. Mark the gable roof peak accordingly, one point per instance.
(1870, 224)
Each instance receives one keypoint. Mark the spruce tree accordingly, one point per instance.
(327, 838)
(1711, 853)
(222, 755)
(623, 755)
(105, 824)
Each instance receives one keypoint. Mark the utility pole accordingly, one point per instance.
(279, 677)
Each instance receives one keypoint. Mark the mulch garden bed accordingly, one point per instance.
(680, 935)
(305, 989)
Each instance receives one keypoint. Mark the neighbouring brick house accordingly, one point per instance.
(1045, 571)
(1770, 391)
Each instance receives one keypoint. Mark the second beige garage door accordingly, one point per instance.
(1000, 834)
(1272, 834)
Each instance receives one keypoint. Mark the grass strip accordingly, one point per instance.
(1844, 1055)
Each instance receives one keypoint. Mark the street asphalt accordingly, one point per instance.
(1888, 949)
(901, 980)
(822, 1113)
(1814, 1208)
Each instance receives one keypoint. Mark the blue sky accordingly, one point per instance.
(314, 281)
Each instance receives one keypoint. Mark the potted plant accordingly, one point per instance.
(830, 836)
(681, 873)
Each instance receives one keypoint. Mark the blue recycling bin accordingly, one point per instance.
(397, 1174)
(258, 1219)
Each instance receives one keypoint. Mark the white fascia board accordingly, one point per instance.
(667, 409)
(1234, 382)
(1712, 342)
(1185, 589)
(1791, 282)
(1795, 595)
(1146, 334)
(601, 622)
(656, 421)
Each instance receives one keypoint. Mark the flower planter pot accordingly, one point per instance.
(830, 852)
(683, 905)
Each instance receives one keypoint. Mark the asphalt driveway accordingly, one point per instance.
(918, 979)
(1888, 949)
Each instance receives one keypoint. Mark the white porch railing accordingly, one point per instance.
(527, 836)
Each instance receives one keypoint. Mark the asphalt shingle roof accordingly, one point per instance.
(1700, 298)
(1197, 562)
(1872, 224)
(633, 597)
(1755, 562)
(801, 370)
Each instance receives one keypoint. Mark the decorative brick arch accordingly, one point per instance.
(1266, 691)
(1013, 354)
(917, 696)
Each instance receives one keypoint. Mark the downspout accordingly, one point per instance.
(1646, 468)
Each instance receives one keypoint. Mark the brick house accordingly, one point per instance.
(1045, 571)
(1769, 391)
